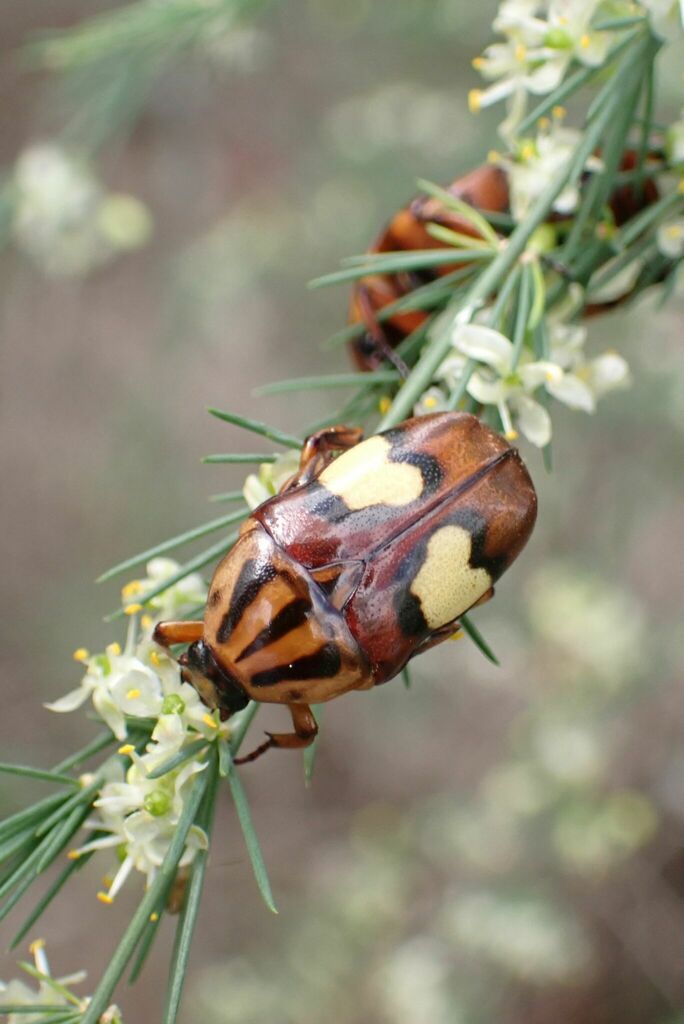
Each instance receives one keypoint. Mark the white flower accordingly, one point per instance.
(670, 239)
(666, 17)
(674, 142)
(119, 684)
(432, 400)
(272, 476)
(506, 387)
(538, 163)
(62, 217)
(173, 602)
(584, 381)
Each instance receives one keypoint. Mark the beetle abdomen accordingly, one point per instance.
(270, 627)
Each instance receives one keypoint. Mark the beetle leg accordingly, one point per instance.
(168, 633)
(305, 730)
(319, 449)
(376, 334)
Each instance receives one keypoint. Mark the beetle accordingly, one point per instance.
(486, 189)
(366, 558)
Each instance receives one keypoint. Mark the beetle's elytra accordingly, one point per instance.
(360, 563)
(486, 188)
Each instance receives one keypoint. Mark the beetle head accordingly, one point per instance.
(215, 686)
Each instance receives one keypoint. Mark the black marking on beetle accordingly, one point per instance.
(409, 613)
(253, 576)
(214, 597)
(429, 466)
(327, 505)
(287, 619)
(322, 664)
(476, 525)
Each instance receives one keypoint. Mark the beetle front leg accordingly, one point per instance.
(319, 449)
(305, 730)
(168, 633)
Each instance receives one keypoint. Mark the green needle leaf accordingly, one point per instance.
(393, 263)
(311, 751)
(228, 496)
(477, 638)
(192, 750)
(468, 212)
(174, 542)
(256, 427)
(251, 840)
(239, 458)
(333, 380)
(38, 773)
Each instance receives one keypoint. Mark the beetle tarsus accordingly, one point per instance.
(305, 731)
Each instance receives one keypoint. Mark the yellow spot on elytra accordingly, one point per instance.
(208, 720)
(36, 946)
(511, 435)
(446, 584)
(364, 476)
(154, 916)
(80, 654)
(475, 101)
(114, 650)
(104, 897)
(155, 659)
(133, 694)
(132, 609)
(73, 855)
(132, 588)
(127, 748)
(384, 404)
(558, 112)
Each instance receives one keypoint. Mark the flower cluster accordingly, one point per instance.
(135, 814)
(543, 39)
(63, 219)
(53, 992)
(510, 385)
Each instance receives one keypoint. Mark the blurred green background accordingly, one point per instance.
(494, 845)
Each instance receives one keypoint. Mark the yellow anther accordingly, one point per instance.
(127, 748)
(114, 650)
(146, 621)
(478, 63)
(80, 654)
(458, 635)
(73, 854)
(558, 112)
(680, 186)
(520, 52)
(493, 156)
(132, 609)
(384, 404)
(36, 946)
(154, 916)
(674, 231)
(155, 659)
(475, 101)
(133, 694)
(562, 20)
(208, 720)
(132, 588)
(527, 151)
(544, 123)
(511, 435)
(430, 402)
(585, 41)
(104, 897)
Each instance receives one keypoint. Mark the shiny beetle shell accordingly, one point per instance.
(335, 584)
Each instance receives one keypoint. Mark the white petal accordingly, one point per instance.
(484, 344)
(608, 372)
(619, 285)
(489, 392)
(533, 420)
(541, 372)
(70, 701)
(546, 77)
(573, 392)
(670, 239)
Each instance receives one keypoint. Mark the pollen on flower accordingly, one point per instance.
(674, 231)
(154, 916)
(114, 650)
(104, 897)
(36, 946)
(133, 694)
(146, 621)
(511, 435)
(478, 63)
(430, 402)
(558, 112)
(544, 123)
(127, 748)
(208, 720)
(493, 156)
(527, 151)
(132, 588)
(520, 52)
(475, 101)
(155, 659)
(132, 609)
(80, 654)
(458, 635)
(73, 854)
(384, 404)
(585, 41)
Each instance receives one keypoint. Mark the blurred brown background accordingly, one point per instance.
(494, 845)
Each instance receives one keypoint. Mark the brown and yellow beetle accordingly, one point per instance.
(361, 562)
